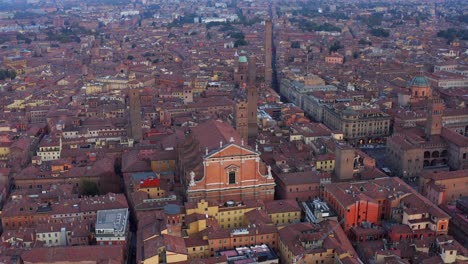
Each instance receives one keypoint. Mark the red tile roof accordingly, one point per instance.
(76, 254)
(150, 183)
(282, 206)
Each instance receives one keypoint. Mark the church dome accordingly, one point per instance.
(420, 81)
(243, 59)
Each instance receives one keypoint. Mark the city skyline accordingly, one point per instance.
(233, 131)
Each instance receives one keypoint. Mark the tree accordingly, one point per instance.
(380, 32)
(365, 42)
(335, 47)
(355, 55)
(240, 42)
(7, 74)
(88, 188)
(130, 57)
(373, 20)
(452, 33)
(237, 35)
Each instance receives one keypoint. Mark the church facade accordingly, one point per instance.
(215, 164)
(231, 173)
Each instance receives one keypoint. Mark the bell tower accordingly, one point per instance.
(241, 120)
(252, 98)
(135, 114)
(435, 111)
(268, 52)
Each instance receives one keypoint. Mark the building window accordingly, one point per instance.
(232, 177)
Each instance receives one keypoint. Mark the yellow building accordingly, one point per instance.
(325, 162)
(4, 150)
(176, 251)
(195, 223)
(229, 215)
(283, 212)
(163, 165)
(18, 103)
(303, 243)
(153, 249)
(152, 260)
(15, 62)
(200, 84)
(152, 186)
(93, 88)
(197, 247)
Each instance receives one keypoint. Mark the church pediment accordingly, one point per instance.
(231, 150)
(232, 168)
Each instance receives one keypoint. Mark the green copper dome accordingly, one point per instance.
(242, 59)
(420, 81)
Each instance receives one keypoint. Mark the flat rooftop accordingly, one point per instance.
(111, 222)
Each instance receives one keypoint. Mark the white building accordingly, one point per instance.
(53, 235)
(50, 149)
(112, 226)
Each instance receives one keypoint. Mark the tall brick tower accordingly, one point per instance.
(268, 52)
(435, 111)
(241, 120)
(241, 71)
(173, 219)
(344, 162)
(252, 97)
(135, 115)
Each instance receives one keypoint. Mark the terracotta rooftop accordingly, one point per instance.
(282, 206)
(445, 175)
(93, 254)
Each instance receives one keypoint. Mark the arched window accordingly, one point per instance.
(232, 177)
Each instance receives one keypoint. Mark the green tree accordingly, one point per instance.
(7, 74)
(335, 47)
(240, 42)
(89, 188)
(295, 45)
(452, 33)
(365, 42)
(380, 32)
(355, 55)
(237, 35)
